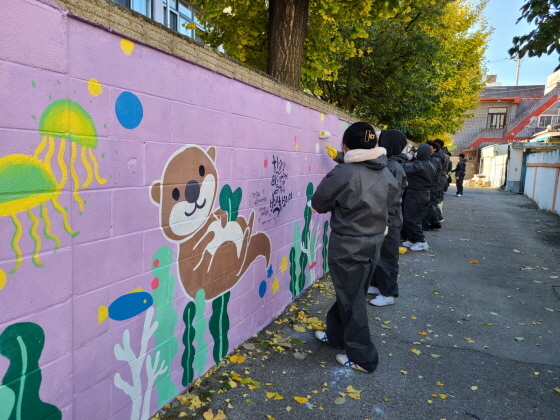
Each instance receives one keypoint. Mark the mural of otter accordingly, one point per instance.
(216, 247)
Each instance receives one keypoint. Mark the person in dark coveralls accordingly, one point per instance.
(358, 193)
(431, 221)
(419, 174)
(460, 170)
(444, 180)
(384, 282)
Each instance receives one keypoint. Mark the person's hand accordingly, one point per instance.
(331, 151)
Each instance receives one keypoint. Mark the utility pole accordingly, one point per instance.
(517, 72)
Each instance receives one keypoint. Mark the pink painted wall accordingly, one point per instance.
(130, 108)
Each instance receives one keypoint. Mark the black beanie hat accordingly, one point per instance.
(360, 135)
(394, 141)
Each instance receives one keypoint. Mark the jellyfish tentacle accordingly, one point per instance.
(60, 209)
(96, 168)
(49, 154)
(41, 146)
(36, 238)
(75, 179)
(62, 164)
(88, 168)
(47, 231)
(15, 243)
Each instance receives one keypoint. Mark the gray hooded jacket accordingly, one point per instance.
(358, 192)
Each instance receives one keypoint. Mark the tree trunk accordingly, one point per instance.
(287, 29)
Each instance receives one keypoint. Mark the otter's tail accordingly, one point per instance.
(258, 245)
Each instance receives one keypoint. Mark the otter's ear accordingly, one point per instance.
(212, 153)
(155, 192)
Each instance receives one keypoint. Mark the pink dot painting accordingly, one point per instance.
(155, 283)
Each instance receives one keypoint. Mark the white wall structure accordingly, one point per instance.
(494, 164)
(542, 179)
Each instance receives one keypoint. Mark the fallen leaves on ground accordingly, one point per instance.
(469, 340)
(415, 351)
(519, 339)
(209, 415)
(301, 400)
(237, 358)
(353, 393)
(340, 400)
(474, 388)
(274, 396)
(473, 261)
(435, 356)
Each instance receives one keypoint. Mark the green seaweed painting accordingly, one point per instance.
(200, 327)
(304, 249)
(188, 340)
(219, 326)
(325, 250)
(166, 343)
(22, 344)
(194, 359)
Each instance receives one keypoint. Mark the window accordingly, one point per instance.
(141, 6)
(546, 120)
(496, 118)
(179, 15)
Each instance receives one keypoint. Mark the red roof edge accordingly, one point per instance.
(551, 101)
(515, 100)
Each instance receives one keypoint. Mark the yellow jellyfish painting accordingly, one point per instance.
(66, 120)
(26, 183)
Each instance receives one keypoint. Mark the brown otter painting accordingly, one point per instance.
(214, 252)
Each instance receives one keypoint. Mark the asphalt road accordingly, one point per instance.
(482, 307)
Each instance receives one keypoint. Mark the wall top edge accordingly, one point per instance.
(114, 18)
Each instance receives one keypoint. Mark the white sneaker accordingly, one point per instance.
(343, 360)
(407, 244)
(321, 336)
(419, 246)
(382, 300)
(372, 290)
(442, 220)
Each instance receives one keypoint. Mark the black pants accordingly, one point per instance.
(459, 182)
(387, 269)
(416, 206)
(432, 217)
(352, 260)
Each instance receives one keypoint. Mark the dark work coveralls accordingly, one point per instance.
(443, 181)
(432, 218)
(460, 170)
(358, 195)
(387, 269)
(419, 174)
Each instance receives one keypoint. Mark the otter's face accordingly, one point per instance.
(187, 191)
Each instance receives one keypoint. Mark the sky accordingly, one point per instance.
(502, 15)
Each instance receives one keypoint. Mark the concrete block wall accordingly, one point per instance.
(151, 194)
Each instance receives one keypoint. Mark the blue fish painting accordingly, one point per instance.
(126, 306)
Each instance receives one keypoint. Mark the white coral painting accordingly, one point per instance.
(140, 397)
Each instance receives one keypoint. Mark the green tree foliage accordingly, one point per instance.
(241, 27)
(545, 38)
(419, 71)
